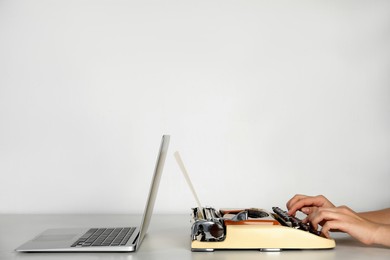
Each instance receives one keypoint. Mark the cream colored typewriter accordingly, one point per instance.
(252, 229)
(249, 228)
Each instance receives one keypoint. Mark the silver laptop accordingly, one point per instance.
(120, 239)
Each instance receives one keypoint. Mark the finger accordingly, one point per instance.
(305, 202)
(308, 210)
(332, 225)
(294, 199)
(324, 215)
(296, 203)
(325, 233)
(316, 217)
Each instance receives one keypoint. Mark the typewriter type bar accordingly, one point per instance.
(252, 229)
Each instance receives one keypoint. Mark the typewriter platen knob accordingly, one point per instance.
(217, 231)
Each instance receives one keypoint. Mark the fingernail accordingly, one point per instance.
(305, 210)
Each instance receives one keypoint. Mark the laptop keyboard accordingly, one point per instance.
(105, 237)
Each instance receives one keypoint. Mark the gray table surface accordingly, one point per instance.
(168, 238)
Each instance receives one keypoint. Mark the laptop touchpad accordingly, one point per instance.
(59, 237)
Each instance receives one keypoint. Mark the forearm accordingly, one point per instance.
(378, 216)
(382, 235)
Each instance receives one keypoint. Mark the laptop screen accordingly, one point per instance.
(154, 187)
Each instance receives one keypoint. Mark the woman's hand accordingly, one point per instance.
(343, 219)
(369, 227)
(307, 204)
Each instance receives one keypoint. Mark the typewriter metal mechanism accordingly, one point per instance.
(252, 229)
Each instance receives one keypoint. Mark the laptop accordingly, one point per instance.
(118, 239)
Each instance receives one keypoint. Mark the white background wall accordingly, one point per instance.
(264, 99)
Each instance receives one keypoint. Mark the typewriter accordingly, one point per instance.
(252, 229)
(249, 228)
